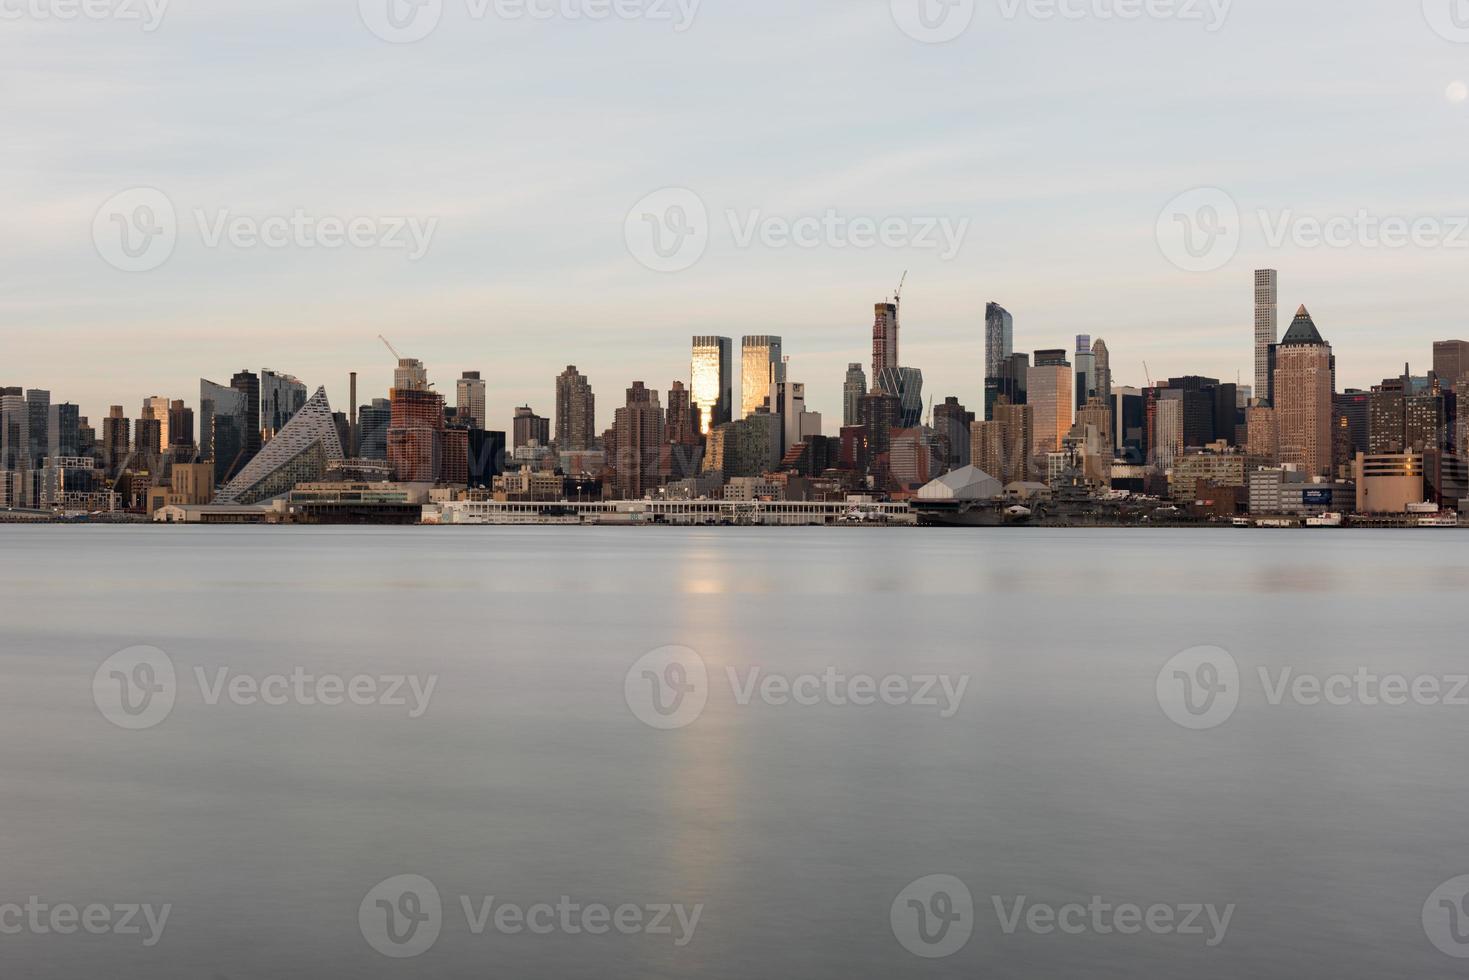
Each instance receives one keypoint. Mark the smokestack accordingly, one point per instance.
(352, 419)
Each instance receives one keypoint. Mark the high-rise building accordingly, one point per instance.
(527, 427)
(156, 407)
(223, 426)
(248, 385)
(1009, 384)
(881, 414)
(469, 398)
(1303, 390)
(116, 441)
(1103, 360)
(682, 423)
(951, 425)
(1086, 370)
(281, 397)
(761, 365)
(181, 448)
(416, 435)
(1450, 361)
(63, 431)
(38, 412)
(999, 339)
(1387, 415)
(1130, 424)
(711, 380)
(410, 375)
(884, 342)
(576, 412)
(1001, 446)
(372, 424)
(1267, 326)
(15, 430)
(1048, 385)
(299, 453)
(1263, 444)
(853, 388)
(907, 385)
(1097, 414)
(640, 437)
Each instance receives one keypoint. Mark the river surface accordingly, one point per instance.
(732, 753)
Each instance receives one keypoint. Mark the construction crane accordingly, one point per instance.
(393, 350)
(898, 296)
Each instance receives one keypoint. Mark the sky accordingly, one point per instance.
(597, 183)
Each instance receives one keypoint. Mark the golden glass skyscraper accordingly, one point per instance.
(760, 367)
(712, 381)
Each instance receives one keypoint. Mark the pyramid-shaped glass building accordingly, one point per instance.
(298, 454)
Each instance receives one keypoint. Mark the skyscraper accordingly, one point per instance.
(63, 431)
(1450, 361)
(907, 385)
(116, 440)
(1049, 394)
(469, 398)
(1103, 359)
(576, 411)
(711, 380)
(372, 424)
(1086, 370)
(761, 365)
(248, 385)
(156, 407)
(853, 389)
(884, 342)
(682, 427)
(180, 446)
(1303, 390)
(639, 428)
(281, 397)
(999, 339)
(528, 427)
(222, 428)
(1267, 326)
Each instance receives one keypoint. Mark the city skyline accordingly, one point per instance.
(530, 241)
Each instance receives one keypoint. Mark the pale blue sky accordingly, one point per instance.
(529, 141)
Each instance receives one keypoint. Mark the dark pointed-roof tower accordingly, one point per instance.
(1303, 332)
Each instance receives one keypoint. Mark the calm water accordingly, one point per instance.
(530, 775)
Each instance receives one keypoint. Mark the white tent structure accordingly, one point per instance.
(966, 483)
